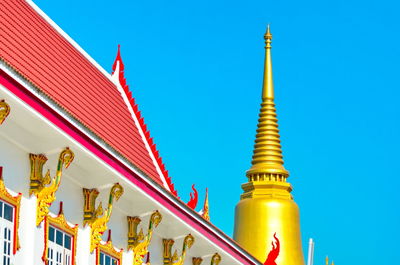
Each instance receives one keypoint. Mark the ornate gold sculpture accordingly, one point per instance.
(197, 261)
(109, 249)
(98, 218)
(215, 259)
(4, 110)
(142, 243)
(14, 201)
(175, 259)
(133, 236)
(266, 205)
(89, 212)
(46, 194)
(60, 223)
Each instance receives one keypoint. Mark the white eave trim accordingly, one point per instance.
(115, 79)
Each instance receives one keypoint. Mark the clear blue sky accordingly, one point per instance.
(195, 68)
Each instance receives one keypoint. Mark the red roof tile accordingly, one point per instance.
(38, 52)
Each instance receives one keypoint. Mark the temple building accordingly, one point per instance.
(82, 182)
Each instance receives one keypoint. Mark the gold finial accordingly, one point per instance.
(268, 37)
(267, 163)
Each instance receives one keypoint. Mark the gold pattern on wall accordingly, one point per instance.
(175, 259)
(143, 242)
(98, 218)
(4, 110)
(133, 235)
(197, 261)
(216, 259)
(14, 201)
(60, 223)
(46, 194)
(108, 249)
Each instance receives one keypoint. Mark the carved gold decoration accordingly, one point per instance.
(98, 218)
(14, 201)
(47, 194)
(89, 212)
(38, 181)
(133, 235)
(4, 111)
(60, 223)
(141, 248)
(197, 261)
(175, 259)
(167, 245)
(108, 249)
(216, 259)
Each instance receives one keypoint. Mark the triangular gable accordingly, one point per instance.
(45, 57)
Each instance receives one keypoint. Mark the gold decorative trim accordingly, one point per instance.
(216, 259)
(4, 110)
(14, 201)
(141, 248)
(109, 249)
(46, 195)
(97, 219)
(174, 259)
(60, 223)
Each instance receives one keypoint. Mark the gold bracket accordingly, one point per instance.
(133, 236)
(175, 259)
(142, 243)
(97, 219)
(197, 261)
(46, 195)
(14, 201)
(90, 213)
(4, 110)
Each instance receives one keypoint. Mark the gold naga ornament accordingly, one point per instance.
(60, 223)
(137, 241)
(97, 218)
(46, 195)
(266, 205)
(174, 259)
(15, 201)
(4, 110)
(215, 259)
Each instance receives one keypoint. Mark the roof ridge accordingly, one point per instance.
(119, 66)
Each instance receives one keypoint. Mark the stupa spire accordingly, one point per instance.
(266, 207)
(267, 154)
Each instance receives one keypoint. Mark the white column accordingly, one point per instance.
(310, 260)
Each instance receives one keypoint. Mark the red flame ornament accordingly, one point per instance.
(274, 253)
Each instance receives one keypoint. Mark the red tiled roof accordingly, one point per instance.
(38, 52)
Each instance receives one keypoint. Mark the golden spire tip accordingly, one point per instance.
(268, 37)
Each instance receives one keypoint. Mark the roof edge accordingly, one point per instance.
(119, 79)
(68, 38)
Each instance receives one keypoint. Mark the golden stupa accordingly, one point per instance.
(266, 207)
